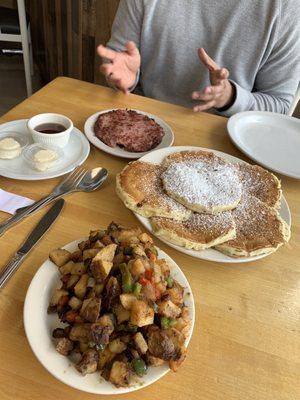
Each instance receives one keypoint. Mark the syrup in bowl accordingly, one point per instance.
(50, 128)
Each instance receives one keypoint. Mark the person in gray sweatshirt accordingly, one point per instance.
(225, 56)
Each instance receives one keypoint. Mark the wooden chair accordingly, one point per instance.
(14, 27)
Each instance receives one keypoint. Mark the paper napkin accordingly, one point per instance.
(10, 202)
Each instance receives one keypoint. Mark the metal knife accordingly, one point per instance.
(37, 233)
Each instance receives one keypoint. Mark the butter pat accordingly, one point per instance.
(9, 148)
(44, 159)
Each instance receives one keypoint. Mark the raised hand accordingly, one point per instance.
(122, 68)
(220, 93)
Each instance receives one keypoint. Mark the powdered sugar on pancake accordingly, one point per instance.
(207, 187)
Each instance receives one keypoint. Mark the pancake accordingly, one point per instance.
(205, 186)
(259, 229)
(139, 187)
(199, 232)
(208, 157)
(261, 184)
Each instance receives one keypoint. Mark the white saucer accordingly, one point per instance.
(39, 326)
(167, 139)
(156, 157)
(75, 153)
(272, 140)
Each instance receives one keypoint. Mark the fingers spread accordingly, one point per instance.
(207, 61)
(209, 93)
(106, 52)
(219, 75)
(106, 68)
(204, 106)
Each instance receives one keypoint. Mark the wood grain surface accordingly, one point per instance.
(246, 341)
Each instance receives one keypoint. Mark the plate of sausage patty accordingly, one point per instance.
(110, 313)
(127, 133)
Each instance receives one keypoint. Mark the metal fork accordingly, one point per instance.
(68, 185)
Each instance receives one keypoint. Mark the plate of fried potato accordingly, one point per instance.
(111, 313)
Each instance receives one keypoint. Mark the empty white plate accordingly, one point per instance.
(75, 153)
(272, 140)
(167, 139)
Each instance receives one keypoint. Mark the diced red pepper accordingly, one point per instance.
(148, 274)
(143, 281)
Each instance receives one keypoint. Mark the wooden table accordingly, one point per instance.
(246, 341)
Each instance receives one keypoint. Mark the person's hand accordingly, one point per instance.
(123, 66)
(220, 93)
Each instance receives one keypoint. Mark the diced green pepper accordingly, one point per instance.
(139, 366)
(127, 282)
(172, 322)
(170, 281)
(164, 323)
(137, 287)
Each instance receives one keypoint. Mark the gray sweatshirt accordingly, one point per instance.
(258, 41)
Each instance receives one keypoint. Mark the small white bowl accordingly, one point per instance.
(57, 139)
(30, 151)
(18, 137)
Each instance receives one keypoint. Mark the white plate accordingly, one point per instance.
(167, 139)
(39, 326)
(75, 153)
(272, 140)
(156, 157)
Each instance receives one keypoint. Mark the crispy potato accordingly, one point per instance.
(145, 238)
(59, 256)
(89, 253)
(117, 346)
(103, 262)
(168, 309)
(127, 299)
(105, 357)
(66, 268)
(88, 363)
(176, 294)
(137, 268)
(165, 268)
(175, 364)
(140, 343)
(79, 268)
(98, 245)
(75, 303)
(125, 235)
(76, 256)
(81, 285)
(57, 295)
(119, 374)
(141, 314)
(72, 281)
(121, 313)
(80, 332)
(154, 361)
(84, 245)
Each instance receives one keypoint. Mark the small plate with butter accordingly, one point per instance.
(21, 158)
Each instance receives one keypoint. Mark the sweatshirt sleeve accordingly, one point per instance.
(278, 77)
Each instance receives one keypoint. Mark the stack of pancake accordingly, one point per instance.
(197, 200)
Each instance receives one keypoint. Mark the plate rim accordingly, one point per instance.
(127, 154)
(189, 252)
(85, 151)
(233, 137)
(34, 347)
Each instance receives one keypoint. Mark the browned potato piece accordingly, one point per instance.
(79, 268)
(98, 245)
(119, 374)
(125, 235)
(84, 245)
(66, 268)
(168, 309)
(183, 326)
(154, 361)
(90, 309)
(58, 293)
(145, 238)
(76, 256)
(165, 268)
(72, 281)
(139, 251)
(121, 313)
(89, 253)
(140, 343)
(137, 268)
(80, 287)
(59, 256)
(175, 364)
(103, 262)
(117, 346)
(75, 303)
(105, 357)
(141, 314)
(88, 363)
(127, 299)
(80, 332)
(157, 275)
(176, 294)
(64, 346)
